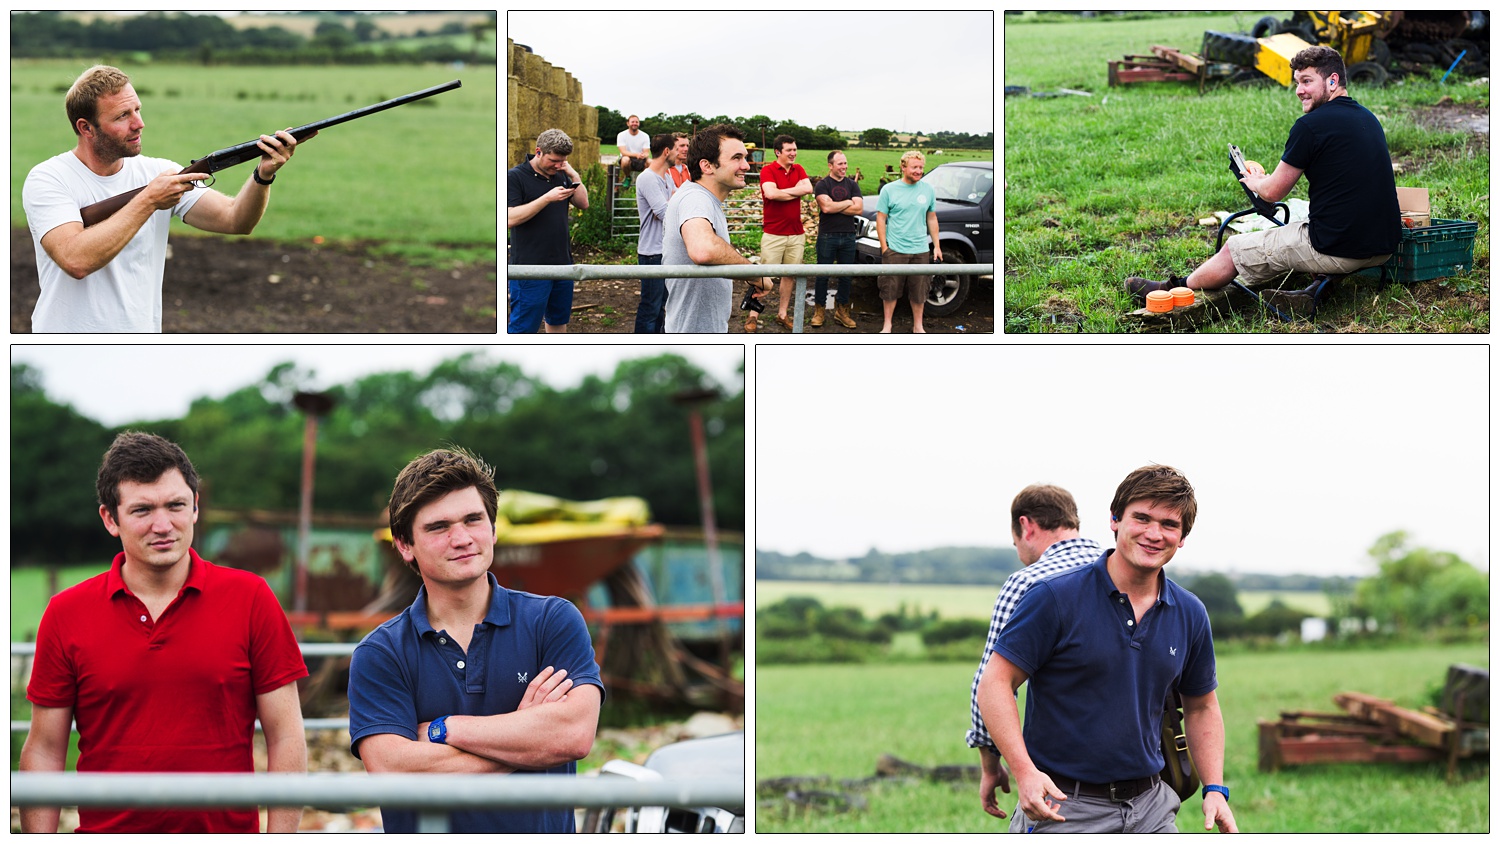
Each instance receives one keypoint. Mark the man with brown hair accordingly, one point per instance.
(697, 232)
(1102, 646)
(472, 677)
(108, 277)
(166, 660)
(783, 238)
(1044, 527)
(1354, 218)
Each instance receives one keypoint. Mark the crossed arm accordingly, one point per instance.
(771, 191)
(852, 205)
(555, 724)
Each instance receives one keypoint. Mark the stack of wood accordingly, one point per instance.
(1372, 729)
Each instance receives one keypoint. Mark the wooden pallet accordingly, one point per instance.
(1370, 729)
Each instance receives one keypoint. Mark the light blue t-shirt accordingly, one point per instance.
(905, 207)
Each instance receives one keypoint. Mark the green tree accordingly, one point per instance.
(1420, 588)
(876, 138)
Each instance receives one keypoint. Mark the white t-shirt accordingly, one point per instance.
(634, 144)
(124, 296)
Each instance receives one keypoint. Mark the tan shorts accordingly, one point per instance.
(1264, 255)
(782, 248)
(915, 286)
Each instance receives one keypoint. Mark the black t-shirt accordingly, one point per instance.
(839, 191)
(544, 238)
(1351, 191)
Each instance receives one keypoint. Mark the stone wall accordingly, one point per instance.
(540, 97)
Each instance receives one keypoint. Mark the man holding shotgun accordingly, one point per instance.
(108, 277)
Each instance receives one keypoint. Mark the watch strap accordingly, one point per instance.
(1219, 788)
(437, 731)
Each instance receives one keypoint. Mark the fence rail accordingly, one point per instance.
(423, 792)
(587, 272)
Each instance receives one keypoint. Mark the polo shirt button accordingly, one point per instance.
(442, 641)
(460, 663)
(143, 618)
(1130, 624)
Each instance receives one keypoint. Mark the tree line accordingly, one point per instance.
(761, 130)
(345, 38)
(620, 435)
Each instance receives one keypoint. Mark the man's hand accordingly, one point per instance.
(989, 781)
(937, 253)
(169, 187)
(278, 151)
(559, 194)
(1216, 811)
(1035, 791)
(549, 686)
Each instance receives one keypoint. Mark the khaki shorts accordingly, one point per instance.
(1264, 255)
(915, 286)
(782, 248)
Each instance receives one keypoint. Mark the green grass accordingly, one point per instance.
(28, 595)
(1112, 185)
(419, 178)
(838, 720)
(958, 601)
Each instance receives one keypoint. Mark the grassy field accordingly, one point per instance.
(1111, 185)
(950, 601)
(838, 720)
(872, 162)
(380, 178)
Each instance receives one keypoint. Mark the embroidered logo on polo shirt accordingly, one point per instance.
(521, 676)
(1172, 651)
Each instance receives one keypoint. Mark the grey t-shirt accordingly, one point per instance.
(695, 305)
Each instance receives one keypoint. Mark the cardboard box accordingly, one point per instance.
(1416, 213)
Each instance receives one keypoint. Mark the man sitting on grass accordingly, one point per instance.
(1354, 219)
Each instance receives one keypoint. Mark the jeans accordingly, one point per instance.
(651, 315)
(530, 300)
(834, 248)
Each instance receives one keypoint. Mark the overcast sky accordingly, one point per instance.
(1301, 456)
(119, 384)
(853, 70)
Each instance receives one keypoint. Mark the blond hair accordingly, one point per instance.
(99, 81)
(912, 154)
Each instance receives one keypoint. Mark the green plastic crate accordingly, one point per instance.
(1437, 251)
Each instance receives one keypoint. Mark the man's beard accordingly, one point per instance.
(108, 149)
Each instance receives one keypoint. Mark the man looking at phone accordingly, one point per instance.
(1354, 218)
(541, 189)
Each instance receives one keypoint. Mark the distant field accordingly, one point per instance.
(357, 181)
(28, 595)
(874, 599)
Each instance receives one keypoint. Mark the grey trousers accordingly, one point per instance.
(1154, 811)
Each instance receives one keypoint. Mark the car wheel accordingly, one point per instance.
(948, 291)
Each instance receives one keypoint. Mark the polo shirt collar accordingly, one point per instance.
(498, 615)
(114, 581)
(1163, 592)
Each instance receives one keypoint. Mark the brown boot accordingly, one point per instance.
(843, 316)
(817, 317)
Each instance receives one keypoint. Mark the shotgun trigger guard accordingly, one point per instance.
(208, 184)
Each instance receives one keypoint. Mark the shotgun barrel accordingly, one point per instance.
(240, 153)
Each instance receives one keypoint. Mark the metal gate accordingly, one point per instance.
(741, 210)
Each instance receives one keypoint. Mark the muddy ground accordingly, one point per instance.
(608, 307)
(243, 285)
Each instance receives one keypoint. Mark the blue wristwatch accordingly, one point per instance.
(437, 733)
(1206, 789)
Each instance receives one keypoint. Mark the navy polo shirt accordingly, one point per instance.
(1099, 676)
(405, 673)
(544, 238)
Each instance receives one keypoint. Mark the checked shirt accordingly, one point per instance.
(1059, 556)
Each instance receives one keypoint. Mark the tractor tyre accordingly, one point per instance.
(1368, 74)
(1267, 25)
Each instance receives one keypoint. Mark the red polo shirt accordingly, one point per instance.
(781, 216)
(167, 696)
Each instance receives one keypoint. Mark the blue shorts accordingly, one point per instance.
(530, 300)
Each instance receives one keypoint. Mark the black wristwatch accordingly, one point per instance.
(255, 174)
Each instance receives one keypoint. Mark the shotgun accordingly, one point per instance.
(240, 153)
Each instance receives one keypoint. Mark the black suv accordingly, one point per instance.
(966, 228)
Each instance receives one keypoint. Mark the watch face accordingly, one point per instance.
(433, 731)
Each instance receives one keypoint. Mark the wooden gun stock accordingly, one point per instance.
(101, 211)
(240, 153)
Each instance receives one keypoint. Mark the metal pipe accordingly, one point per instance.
(586, 272)
(402, 791)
